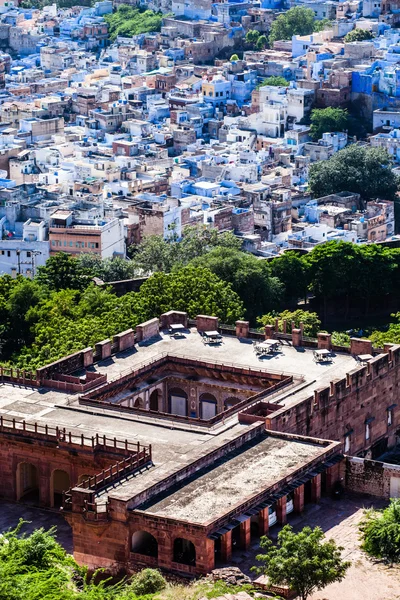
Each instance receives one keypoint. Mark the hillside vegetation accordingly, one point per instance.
(128, 21)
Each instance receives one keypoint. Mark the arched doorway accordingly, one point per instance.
(28, 483)
(184, 552)
(144, 543)
(154, 400)
(60, 483)
(229, 402)
(178, 402)
(208, 406)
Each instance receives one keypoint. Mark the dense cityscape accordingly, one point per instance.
(199, 300)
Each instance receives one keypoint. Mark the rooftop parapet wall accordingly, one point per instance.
(346, 405)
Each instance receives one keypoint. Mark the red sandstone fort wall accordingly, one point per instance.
(346, 406)
(372, 477)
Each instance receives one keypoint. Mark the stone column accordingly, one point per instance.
(281, 510)
(226, 546)
(242, 329)
(298, 500)
(316, 488)
(296, 337)
(263, 521)
(206, 561)
(245, 534)
(269, 332)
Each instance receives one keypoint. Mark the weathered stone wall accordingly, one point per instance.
(372, 477)
(344, 407)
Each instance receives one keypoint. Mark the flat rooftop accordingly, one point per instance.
(235, 480)
(170, 441)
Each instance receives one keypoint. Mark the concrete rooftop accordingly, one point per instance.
(235, 480)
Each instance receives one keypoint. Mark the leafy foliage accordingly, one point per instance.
(340, 338)
(234, 58)
(275, 80)
(310, 320)
(296, 21)
(292, 270)
(303, 561)
(380, 532)
(128, 21)
(157, 254)
(250, 279)
(358, 35)
(327, 119)
(322, 24)
(365, 171)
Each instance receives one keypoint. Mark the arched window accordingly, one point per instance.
(208, 406)
(27, 483)
(144, 543)
(154, 400)
(184, 552)
(178, 402)
(229, 402)
(60, 483)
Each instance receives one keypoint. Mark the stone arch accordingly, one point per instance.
(231, 401)
(60, 482)
(178, 402)
(208, 406)
(184, 552)
(82, 478)
(28, 483)
(154, 399)
(138, 403)
(144, 543)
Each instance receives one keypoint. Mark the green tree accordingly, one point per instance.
(262, 42)
(292, 270)
(275, 81)
(322, 24)
(380, 532)
(327, 119)
(234, 58)
(296, 21)
(366, 171)
(107, 269)
(249, 277)
(303, 561)
(195, 290)
(310, 320)
(358, 35)
(334, 271)
(62, 271)
(252, 36)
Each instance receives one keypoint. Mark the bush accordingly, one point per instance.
(148, 581)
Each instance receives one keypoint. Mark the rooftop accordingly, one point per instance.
(234, 480)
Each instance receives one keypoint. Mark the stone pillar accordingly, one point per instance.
(242, 329)
(298, 499)
(324, 341)
(284, 325)
(226, 546)
(87, 357)
(103, 349)
(269, 332)
(263, 521)
(277, 325)
(281, 510)
(245, 534)
(331, 477)
(316, 488)
(207, 557)
(296, 337)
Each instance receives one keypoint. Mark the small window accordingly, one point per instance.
(8, 253)
(347, 443)
(389, 418)
(28, 254)
(367, 431)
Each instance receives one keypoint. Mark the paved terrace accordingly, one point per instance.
(169, 441)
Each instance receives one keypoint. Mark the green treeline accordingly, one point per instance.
(62, 310)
